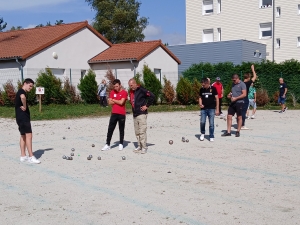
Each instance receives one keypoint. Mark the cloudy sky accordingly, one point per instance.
(166, 17)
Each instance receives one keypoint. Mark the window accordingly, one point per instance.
(298, 9)
(259, 55)
(157, 73)
(219, 34)
(278, 43)
(219, 6)
(265, 30)
(266, 3)
(208, 35)
(278, 11)
(255, 54)
(82, 73)
(298, 42)
(207, 7)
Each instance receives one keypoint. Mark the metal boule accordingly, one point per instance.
(170, 142)
(187, 140)
(64, 157)
(123, 157)
(72, 154)
(93, 145)
(72, 149)
(99, 158)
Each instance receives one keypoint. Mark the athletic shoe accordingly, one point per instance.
(244, 128)
(253, 116)
(211, 140)
(137, 150)
(286, 108)
(24, 158)
(105, 148)
(202, 137)
(248, 118)
(237, 134)
(144, 151)
(120, 147)
(281, 111)
(32, 159)
(226, 134)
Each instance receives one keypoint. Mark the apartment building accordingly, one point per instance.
(275, 23)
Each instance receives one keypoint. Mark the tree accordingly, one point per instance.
(2, 24)
(40, 25)
(88, 88)
(168, 91)
(16, 28)
(152, 83)
(48, 24)
(59, 22)
(119, 20)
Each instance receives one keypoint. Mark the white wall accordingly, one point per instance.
(73, 52)
(240, 20)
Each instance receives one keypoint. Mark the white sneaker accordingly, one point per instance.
(120, 147)
(137, 150)
(24, 158)
(144, 151)
(33, 160)
(105, 148)
(202, 137)
(244, 128)
(211, 140)
(253, 116)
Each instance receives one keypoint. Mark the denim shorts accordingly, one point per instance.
(281, 100)
(252, 103)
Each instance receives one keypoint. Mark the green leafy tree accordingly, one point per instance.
(196, 85)
(152, 83)
(59, 22)
(184, 91)
(2, 24)
(54, 93)
(16, 28)
(88, 88)
(40, 25)
(119, 20)
(139, 79)
(48, 24)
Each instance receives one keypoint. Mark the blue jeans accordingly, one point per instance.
(210, 113)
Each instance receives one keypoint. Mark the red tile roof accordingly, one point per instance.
(130, 51)
(27, 42)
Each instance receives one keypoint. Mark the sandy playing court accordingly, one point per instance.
(253, 179)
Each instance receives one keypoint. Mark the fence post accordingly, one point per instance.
(70, 76)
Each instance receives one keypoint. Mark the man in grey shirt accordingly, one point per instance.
(237, 95)
(102, 93)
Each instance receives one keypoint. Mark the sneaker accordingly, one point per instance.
(248, 117)
(24, 158)
(144, 151)
(286, 108)
(237, 134)
(253, 116)
(202, 137)
(281, 111)
(120, 147)
(226, 134)
(32, 159)
(137, 150)
(211, 140)
(244, 128)
(105, 148)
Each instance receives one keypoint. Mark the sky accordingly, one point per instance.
(166, 17)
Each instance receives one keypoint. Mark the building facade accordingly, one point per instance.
(274, 23)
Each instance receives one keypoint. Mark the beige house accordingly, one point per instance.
(276, 25)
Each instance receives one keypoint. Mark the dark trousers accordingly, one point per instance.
(114, 119)
(244, 110)
(103, 101)
(220, 105)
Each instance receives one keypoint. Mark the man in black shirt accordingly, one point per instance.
(23, 121)
(209, 104)
(248, 81)
(282, 95)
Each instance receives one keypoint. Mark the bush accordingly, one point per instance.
(184, 91)
(275, 96)
(195, 91)
(110, 77)
(1, 98)
(262, 97)
(53, 88)
(168, 92)
(88, 88)
(30, 96)
(152, 83)
(8, 94)
(70, 92)
(227, 90)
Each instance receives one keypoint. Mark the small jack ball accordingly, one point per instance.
(72, 149)
(72, 154)
(170, 142)
(88, 158)
(187, 140)
(99, 158)
(123, 157)
(93, 145)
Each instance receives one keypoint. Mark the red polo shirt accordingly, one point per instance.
(219, 88)
(118, 109)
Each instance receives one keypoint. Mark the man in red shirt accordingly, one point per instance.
(218, 85)
(117, 99)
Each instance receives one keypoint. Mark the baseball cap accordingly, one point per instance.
(218, 78)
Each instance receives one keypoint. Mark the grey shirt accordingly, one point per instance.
(236, 90)
(102, 90)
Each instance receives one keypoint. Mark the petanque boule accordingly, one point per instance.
(183, 139)
(64, 157)
(170, 142)
(72, 149)
(64, 138)
(72, 154)
(70, 158)
(123, 157)
(99, 158)
(187, 140)
(93, 145)
(88, 158)
(68, 127)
